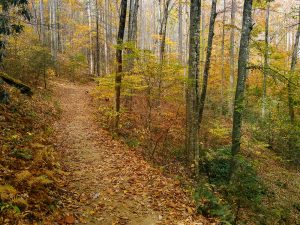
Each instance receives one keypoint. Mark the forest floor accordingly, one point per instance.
(107, 183)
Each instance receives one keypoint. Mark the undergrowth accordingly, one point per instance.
(240, 200)
(29, 168)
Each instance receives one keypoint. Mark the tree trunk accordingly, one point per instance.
(142, 26)
(208, 57)
(91, 59)
(192, 95)
(132, 29)
(163, 30)
(162, 34)
(118, 78)
(232, 61)
(42, 22)
(16, 83)
(106, 43)
(241, 80)
(35, 19)
(180, 35)
(291, 88)
(293, 66)
(202, 55)
(187, 34)
(223, 59)
(54, 33)
(58, 34)
(97, 58)
(266, 60)
(50, 27)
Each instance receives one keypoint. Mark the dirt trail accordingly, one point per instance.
(108, 183)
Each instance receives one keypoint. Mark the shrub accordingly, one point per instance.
(225, 198)
(210, 204)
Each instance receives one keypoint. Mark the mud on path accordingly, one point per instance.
(108, 183)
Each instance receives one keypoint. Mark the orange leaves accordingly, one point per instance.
(27, 159)
(69, 219)
(108, 183)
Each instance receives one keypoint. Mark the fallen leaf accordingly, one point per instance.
(69, 219)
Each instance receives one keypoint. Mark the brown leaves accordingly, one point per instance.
(27, 159)
(69, 219)
(129, 182)
(107, 182)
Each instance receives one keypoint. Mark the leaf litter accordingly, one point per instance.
(106, 182)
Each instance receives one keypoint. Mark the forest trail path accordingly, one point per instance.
(107, 183)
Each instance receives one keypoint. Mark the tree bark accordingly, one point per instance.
(180, 35)
(97, 58)
(106, 43)
(266, 60)
(232, 61)
(42, 22)
(35, 19)
(192, 95)
(162, 34)
(58, 28)
(208, 57)
(132, 29)
(91, 59)
(118, 78)
(50, 28)
(241, 80)
(293, 66)
(163, 30)
(223, 59)
(202, 55)
(54, 33)
(16, 83)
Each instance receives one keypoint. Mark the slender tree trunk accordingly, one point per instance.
(110, 35)
(266, 60)
(132, 39)
(162, 34)
(90, 37)
(223, 59)
(202, 55)
(140, 25)
(106, 44)
(208, 57)
(35, 19)
(232, 61)
(192, 95)
(132, 25)
(132, 29)
(50, 27)
(97, 57)
(42, 22)
(55, 29)
(58, 34)
(163, 30)
(180, 35)
(293, 66)
(187, 34)
(119, 58)
(241, 80)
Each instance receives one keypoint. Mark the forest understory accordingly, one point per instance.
(74, 172)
